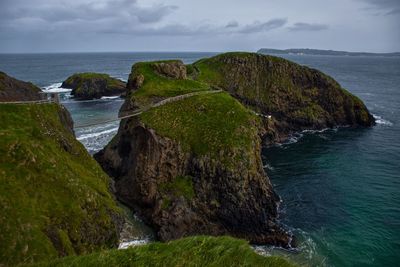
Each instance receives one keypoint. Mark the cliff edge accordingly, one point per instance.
(12, 90)
(54, 198)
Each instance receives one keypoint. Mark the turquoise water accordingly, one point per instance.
(340, 188)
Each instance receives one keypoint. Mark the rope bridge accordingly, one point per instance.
(54, 98)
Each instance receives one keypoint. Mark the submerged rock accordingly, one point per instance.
(94, 85)
(12, 89)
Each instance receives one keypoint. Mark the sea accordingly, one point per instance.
(340, 188)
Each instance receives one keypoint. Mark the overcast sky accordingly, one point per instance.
(201, 25)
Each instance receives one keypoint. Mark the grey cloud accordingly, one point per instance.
(91, 11)
(263, 26)
(232, 27)
(167, 30)
(155, 13)
(232, 24)
(302, 26)
(390, 7)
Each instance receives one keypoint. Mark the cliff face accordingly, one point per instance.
(54, 198)
(93, 85)
(194, 166)
(296, 97)
(181, 192)
(15, 90)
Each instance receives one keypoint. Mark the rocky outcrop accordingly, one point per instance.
(12, 90)
(180, 193)
(194, 166)
(94, 85)
(296, 97)
(174, 69)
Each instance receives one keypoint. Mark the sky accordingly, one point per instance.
(36, 26)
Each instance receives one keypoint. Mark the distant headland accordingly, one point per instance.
(307, 51)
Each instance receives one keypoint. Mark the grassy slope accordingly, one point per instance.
(205, 124)
(48, 191)
(192, 251)
(276, 87)
(159, 86)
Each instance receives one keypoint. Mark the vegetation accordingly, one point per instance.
(192, 251)
(288, 91)
(180, 186)
(156, 85)
(111, 82)
(54, 198)
(205, 124)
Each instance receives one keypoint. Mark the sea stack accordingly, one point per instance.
(193, 166)
(94, 85)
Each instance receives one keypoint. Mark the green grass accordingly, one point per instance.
(159, 86)
(282, 88)
(54, 198)
(205, 124)
(192, 251)
(179, 186)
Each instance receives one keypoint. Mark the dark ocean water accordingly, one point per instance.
(340, 188)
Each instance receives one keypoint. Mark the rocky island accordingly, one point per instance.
(93, 85)
(193, 166)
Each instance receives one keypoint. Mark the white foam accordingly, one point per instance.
(121, 79)
(316, 131)
(56, 88)
(380, 120)
(110, 97)
(133, 243)
(96, 134)
(269, 167)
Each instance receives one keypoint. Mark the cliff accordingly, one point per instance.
(93, 85)
(12, 89)
(192, 166)
(193, 251)
(296, 97)
(54, 198)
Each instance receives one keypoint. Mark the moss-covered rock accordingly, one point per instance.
(296, 96)
(194, 251)
(94, 85)
(54, 198)
(150, 82)
(12, 89)
(193, 166)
